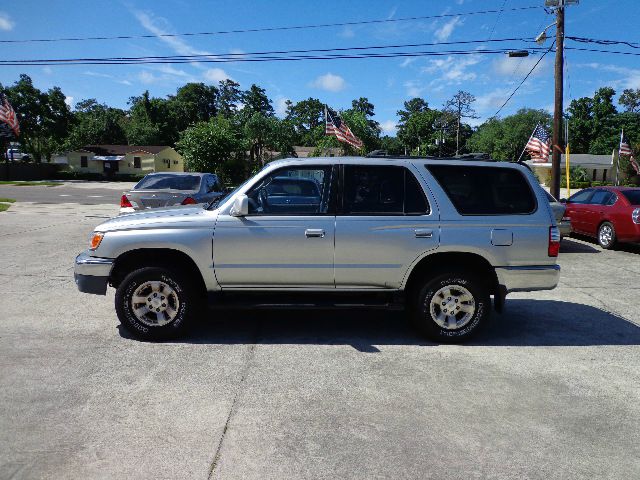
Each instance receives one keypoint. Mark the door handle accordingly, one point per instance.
(423, 233)
(314, 233)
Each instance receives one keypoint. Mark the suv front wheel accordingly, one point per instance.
(450, 307)
(155, 303)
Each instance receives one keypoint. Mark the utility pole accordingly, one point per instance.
(557, 109)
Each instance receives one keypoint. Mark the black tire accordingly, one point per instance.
(183, 295)
(606, 241)
(426, 323)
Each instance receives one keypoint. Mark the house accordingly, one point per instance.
(125, 159)
(599, 167)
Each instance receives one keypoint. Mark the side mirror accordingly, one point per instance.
(240, 207)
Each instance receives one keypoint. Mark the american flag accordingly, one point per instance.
(625, 148)
(8, 120)
(539, 144)
(335, 126)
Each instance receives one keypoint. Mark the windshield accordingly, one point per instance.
(171, 182)
(218, 201)
(633, 196)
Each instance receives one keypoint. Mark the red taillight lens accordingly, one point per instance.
(124, 202)
(554, 241)
(189, 201)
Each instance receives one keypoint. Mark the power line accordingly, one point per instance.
(264, 29)
(70, 62)
(522, 82)
(604, 42)
(497, 19)
(238, 56)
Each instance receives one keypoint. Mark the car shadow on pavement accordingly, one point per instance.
(525, 322)
(571, 246)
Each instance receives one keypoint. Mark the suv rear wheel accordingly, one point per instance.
(155, 303)
(450, 307)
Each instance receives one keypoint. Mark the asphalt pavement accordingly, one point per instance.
(549, 390)
(82, 192)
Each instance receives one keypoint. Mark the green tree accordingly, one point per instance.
(95, 123)
(229, 96)
(193, 103)
(255, 100)
(460, 107)
(150, 122)
(630, 99)
(214, 146)
(307, 118)
(44, 117)
(504, 139)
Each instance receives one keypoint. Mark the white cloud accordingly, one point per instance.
(69, 101)
(281, 106)
(47, 70)
(408, 61)
(6, 24)
(630, 76)
(216, 75)
(392, 13)
(96, 74)
(506, 66)
(329, 82)
(414, 89)
(389, 127)
(347, 32)
(443, 33)
(453, 69)
(492, 99)
(147, 77)
(124, 82)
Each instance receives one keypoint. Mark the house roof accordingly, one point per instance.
(123, 149)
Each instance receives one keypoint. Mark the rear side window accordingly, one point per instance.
(485, 190)
(382, 190)
(601, 197)
(633, 196)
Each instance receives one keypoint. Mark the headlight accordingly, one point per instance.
(95, 239)
(635, 216)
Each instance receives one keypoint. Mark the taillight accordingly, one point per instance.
(189, 201)
(635, 215)
(124, 202)
(554, 241)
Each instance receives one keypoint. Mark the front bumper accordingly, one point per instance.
(528, 278)
(92, 273)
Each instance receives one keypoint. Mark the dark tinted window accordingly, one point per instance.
(173, 182)
(137, 163)
(292, 191)
(83, 161)
(601, 197)
(633, 196)
(415, 202)
(485, 190)
(581, 197)
(380, 190)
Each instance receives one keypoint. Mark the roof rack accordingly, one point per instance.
(475, 156)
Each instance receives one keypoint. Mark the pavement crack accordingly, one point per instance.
(236, 398)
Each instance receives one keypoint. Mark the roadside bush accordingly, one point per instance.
(581, 184)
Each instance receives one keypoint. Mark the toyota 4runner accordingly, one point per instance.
(439, 237)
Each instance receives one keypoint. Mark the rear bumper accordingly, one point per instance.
(92, 273)
(565, 228)
(528, 278)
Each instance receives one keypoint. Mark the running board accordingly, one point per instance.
(306, 301)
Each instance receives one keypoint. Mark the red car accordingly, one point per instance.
(610, 214)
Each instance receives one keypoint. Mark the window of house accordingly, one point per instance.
(137, 163)
(382, 190)
(604, 175)
(83, 161)
(485, 190)
(595, 174)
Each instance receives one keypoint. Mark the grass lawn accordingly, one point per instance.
(29, 184)
(5, 203)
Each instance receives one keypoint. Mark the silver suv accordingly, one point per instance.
(439, 237)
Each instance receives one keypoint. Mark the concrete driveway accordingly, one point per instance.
(549, 390)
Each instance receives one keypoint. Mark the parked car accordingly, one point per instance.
(439, 237)
(562, 221)
(166, 189)
(16, 154)
(610, 214)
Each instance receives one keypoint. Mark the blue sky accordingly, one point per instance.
(386, 82)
